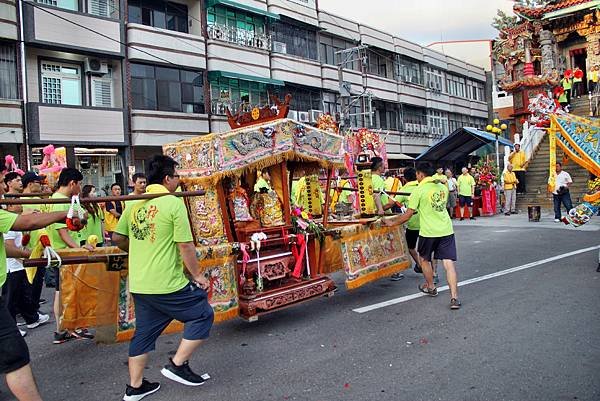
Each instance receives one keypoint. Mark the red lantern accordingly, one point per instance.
(569, 73)
(578, 74)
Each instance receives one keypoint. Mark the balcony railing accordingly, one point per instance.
(240, 37)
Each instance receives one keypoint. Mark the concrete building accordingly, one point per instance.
(112, 80)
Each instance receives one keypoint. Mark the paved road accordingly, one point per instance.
(529, 335)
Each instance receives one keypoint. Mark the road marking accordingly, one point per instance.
(406, 298)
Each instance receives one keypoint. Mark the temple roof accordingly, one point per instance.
(539, 12)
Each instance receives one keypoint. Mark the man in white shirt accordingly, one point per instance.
(561, 192)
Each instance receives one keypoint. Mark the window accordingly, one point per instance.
(386, 115)
(65, 4)
(434, 79)
(237, 27)
(475, 90)
(328, 46)
(103, 8)
(159, 14)
(330, 103)
(236, 94)
(303, 99)
(456, 86)
(231, 18)
(8, 72)
(298, 41)
(438, 122)
(414, 116)
(61, 83)
(102, 90)
(380, 63)
(410, 71)
(166, 89)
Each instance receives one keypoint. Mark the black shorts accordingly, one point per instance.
(154, 312)
(14, 353)
(465, 200)
(441, 248)
(411, 238)
(56, 273)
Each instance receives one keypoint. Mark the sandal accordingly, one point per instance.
(432, 292)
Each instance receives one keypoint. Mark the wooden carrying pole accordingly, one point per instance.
(100, 199)
(74, 260)
(387, 192)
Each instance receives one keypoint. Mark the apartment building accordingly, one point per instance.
(112, 80)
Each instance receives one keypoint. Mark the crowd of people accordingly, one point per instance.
(572, 85)
(161, 289)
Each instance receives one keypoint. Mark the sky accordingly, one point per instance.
(424, 21)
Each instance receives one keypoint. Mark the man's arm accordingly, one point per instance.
(378, 204)
(112, 209)
(121, 241)
(188, 255)
(406, 216)
(63, 233)
(13, 251)
(35, 221)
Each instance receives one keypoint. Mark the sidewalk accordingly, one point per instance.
(521, 221)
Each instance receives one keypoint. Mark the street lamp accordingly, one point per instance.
(497, 129)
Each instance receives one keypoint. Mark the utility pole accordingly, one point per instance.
(347, 99)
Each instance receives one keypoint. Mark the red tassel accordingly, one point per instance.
(299, 255)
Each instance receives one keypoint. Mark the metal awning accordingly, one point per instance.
(244, 7)
(244, 77)
(572, 9)
(459, 144)
(399, 156)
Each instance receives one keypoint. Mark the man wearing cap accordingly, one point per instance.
(519, 163)
(32, 184)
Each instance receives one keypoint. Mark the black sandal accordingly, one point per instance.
(429, 291)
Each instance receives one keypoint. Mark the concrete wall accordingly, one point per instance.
(8, 20)
(178, 48)
(155, 128)
(55, 31)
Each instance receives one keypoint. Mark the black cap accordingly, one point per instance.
(31, 176)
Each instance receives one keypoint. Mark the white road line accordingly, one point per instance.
(406, 298)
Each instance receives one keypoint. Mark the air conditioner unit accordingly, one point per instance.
(279, 47)
(416, 128)
(408, 127)
(314, 115)
(424, 128)
(95, 66)
(293, 114)
(303, 116)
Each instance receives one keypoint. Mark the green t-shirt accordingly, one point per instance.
(379, 185)
(429, 201)
(345, 194)
(7, 219)
(465, 184)
(410, 187)
(35, 234)
(93, 227)
(55, 239)
(154, 228)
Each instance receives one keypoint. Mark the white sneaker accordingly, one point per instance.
(556, 220)
(23, 333)
(41, 320)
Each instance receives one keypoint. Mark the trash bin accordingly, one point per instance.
(534, 212)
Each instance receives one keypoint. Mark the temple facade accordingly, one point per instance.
(545, 39)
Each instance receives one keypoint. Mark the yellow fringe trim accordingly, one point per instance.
(592, 198)
(381, 273)
(230, 314)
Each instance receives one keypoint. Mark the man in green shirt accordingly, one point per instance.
(466, 191)
(436, 235)
(69, 184)
(382, 201)
(14, 358)
(412, 228)
(158, 237)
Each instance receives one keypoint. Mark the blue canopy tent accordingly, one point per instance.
(460, 144)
